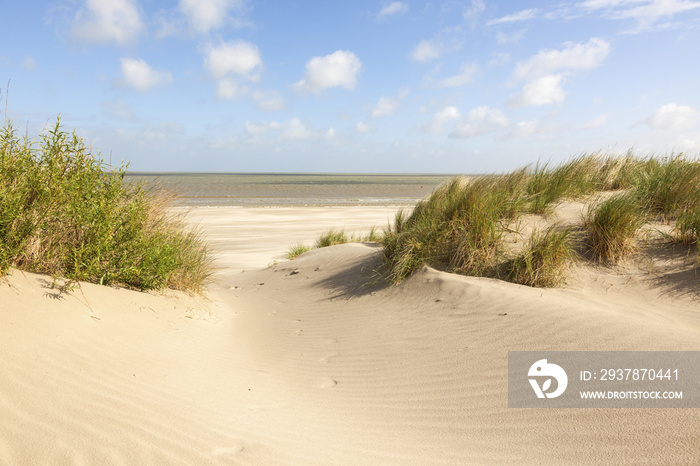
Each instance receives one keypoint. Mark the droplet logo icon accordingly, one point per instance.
(542, 369)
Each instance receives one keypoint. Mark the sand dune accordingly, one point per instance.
(304, 362)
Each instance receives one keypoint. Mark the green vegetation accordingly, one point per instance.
(332, 237)
(612, 226)
(64, 212)
(461, 227)
(543, 260)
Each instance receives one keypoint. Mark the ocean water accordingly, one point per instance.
(263, 189)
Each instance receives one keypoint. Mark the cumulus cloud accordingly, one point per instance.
(387, 106)
(229, 63)
(139, 74)
(105, 21)
(573, 57)
(480, 120)
(545, 71)
(239, 58)
(674, 117)
(435, 125)
(338, 69)
(205, 15)
(541, 91)
(522, 15)
(392, 9)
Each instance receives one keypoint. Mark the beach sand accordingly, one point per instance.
(303, 362)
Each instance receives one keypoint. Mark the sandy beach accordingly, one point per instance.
(304, 362)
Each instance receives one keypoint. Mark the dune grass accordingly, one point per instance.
(612, 227)
(460, 227)
(544, 259)
(332, 237)
(64, 212)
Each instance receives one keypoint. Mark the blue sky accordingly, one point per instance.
(363, 86)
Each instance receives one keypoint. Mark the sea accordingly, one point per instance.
(299, 189)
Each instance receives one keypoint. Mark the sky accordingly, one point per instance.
(363, 86)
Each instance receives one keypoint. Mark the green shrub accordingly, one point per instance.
(64, 212)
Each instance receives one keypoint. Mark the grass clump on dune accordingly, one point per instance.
(460, 227)
(332, 237)
(543, 260)
(612, 226)
(64, 212)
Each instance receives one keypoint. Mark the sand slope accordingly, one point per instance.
(304, 363)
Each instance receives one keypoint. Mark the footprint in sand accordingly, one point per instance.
(296, 333)
(327, 358)
(327, 382)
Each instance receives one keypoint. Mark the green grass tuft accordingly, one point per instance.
(297, 250)
(612, 226)
(543, 260)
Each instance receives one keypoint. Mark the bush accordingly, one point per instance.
(64, 212)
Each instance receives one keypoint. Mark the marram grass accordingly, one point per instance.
(64, 212)
(460, 226)
(612, 226)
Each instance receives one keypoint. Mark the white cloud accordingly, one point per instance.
(572, 57)
(522, 15)
(427, 50)
(541, 91)
(480, 120)
(139, 74)
(256, 129)
(338, 69)
(294, 129)
(362, 127)
(435, 125)
(237, 58)
(205, 15)
(446, 40)
(394, 8)
(674, 117)
(106, 21)
(387, 106)
(645, 12)
(467, 73)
